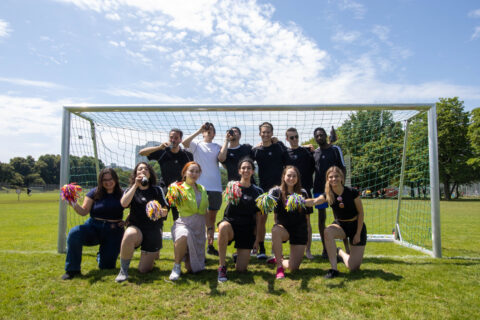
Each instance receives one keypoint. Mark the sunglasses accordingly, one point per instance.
(293, 137)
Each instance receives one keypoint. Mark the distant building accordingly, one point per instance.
(139, 158)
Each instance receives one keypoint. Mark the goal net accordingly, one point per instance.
(386, 148)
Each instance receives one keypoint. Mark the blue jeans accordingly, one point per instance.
(93, 232)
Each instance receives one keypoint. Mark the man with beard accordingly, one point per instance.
(232, 151)
(325, 156)
(171, 159)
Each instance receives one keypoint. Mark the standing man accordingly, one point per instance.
(206, 154)
(271, 158)
(232, 151)
(302, 158)
(171, 159)
(325, 156)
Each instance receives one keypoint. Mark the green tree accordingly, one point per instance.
(374, 141)
(474, 137)
(6, 172)
(416, 168)
(454, 149)
(48, 167)
(23, 166)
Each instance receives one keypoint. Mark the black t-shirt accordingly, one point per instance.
(302, 158)
(138, 215)
(271, 161)
(171, 163)
(324, 159)
(245, 212)
(289, 218)
(349, 211)
(233, 157)
(108, 207)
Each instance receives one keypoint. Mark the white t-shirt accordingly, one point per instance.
(206, 154)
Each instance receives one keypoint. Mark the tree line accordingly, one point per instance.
(372, 140)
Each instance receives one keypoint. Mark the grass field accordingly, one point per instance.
(394, 283)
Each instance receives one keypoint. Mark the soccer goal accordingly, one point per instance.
(390, 151)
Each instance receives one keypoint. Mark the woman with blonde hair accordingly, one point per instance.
(348, 213)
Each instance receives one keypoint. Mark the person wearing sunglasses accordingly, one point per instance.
(302, 158)
(348, 213)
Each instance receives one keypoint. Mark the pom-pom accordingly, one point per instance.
(266, 202)
(295, 201)
(176, 194)
(153, 210)
(71, 193)
(233, 192)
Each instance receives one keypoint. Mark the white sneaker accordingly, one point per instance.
(176, 271)
(122, 276)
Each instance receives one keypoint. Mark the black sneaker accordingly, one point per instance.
(324, 254)
(262, 256)
(211, 250)
(339, 257)
(69, 275)
(222, 274)
(331, 274)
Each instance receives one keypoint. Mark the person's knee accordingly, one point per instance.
(144, 269)
(328, 234)
(74, 236)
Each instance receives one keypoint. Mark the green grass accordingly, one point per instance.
(394, 283)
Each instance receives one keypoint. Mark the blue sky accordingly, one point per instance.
(58, 52)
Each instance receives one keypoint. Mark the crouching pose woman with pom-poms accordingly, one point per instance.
(188, 231)
(148, 209)
(348, 212)
(240, 219)
(104, 227)
(290, 221)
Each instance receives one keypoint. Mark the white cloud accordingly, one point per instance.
(382, 32)
(474, 13)
(476, 33)
(356, 8)
(346, 37)
(4, 29)
(153, 95)
(31, 83)
(112, 16)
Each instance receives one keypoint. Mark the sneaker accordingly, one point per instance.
(234, 257)
(309, 255)
(324, 254)
(176, 271)
(331, 274)
(272, 260)
(280, 273)
(69, 275)
(262, 255)
(122, 276)
(211, 250)
(339, 257)
(253, 253)
(222, 274)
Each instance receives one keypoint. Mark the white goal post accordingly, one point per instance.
(390, 150)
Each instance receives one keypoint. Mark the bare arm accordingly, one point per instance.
(149, 150)
(128, 196)
(85, 208)
(359, 206)
(222, 155)
(186, 142)
(313, 202)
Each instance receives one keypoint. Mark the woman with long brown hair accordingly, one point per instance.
(290, 224)
(104, 227)
(348, 213)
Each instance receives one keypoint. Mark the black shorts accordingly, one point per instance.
(298, 234)
(243, 235)
(151, 238)
(350, 228)
(174, 211)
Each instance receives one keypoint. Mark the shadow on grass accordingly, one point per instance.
(460, 261)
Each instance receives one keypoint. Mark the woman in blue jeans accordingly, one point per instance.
(104, 227)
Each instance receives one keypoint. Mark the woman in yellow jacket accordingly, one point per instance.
(188, 231)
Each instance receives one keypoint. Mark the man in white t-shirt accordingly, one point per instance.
(205, 153)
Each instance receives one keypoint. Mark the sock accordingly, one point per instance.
(124, 265)
(261, 245)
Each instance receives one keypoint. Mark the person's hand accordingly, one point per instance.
(138, 180)
(163, 212)
(309, 146)
(165, 144)
(274, 139)
(309, 202)
(356, 238)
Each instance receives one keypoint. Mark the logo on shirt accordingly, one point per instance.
(270, 153)
(232, 155)
(144, 199)
(294, 157)
(323, 156)
(176, 161)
